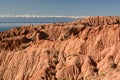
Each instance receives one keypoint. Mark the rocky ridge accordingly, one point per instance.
(86, 49)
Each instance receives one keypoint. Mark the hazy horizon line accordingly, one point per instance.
(37, 16)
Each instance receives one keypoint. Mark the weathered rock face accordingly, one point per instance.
(85, 49)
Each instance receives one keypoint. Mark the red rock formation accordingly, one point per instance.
(85, 49)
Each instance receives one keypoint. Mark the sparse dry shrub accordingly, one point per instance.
(113, 65)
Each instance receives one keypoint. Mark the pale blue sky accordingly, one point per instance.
(61, 7)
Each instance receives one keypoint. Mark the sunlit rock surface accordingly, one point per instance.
(86, 49)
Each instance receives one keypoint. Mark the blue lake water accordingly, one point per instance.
(8, 23)
(7, 26)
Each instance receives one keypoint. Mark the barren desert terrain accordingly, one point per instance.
(85, 49)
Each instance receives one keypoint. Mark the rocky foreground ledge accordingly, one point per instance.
(86, 49)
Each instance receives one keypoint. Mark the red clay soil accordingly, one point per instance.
(86, 49)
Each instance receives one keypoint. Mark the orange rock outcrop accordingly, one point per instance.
(85, 49)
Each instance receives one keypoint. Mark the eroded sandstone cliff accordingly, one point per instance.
(86, 49)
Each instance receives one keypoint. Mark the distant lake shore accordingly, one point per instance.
(8, 23)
